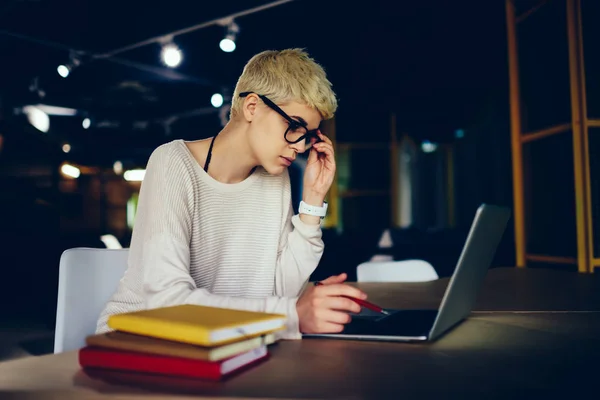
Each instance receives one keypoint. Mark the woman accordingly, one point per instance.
(215, 223)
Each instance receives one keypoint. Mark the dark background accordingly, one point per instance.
(440, 66)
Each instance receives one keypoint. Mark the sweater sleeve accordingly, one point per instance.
(300, 251)
(160, 247)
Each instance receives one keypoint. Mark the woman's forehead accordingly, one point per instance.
(303, 113)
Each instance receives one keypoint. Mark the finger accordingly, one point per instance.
(324, 138)
(335, 317)
(325, 148)
(342, 289)
(329, 327)
(313, 155)
(335, 279)
(341, 304)
(328, 158)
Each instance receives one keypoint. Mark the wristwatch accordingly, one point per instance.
(313, 210)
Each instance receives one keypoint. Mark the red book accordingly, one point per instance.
(97, 357)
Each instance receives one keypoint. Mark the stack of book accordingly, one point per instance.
(185, 341)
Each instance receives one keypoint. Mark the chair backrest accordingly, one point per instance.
(396, 271)
(86, 281)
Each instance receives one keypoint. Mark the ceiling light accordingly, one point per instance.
(63, 70)
(37, 118)
(428, 147)
(228, 43)
(118, 167)
(70, 171)
(57, 110)
(171, 55)
(216, 100)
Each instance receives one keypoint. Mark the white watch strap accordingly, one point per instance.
(313, 210)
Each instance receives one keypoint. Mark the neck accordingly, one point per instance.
(232, 157)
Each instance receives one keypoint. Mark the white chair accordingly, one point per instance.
(86, 281)
(396, 271)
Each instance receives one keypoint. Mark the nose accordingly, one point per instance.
(299, 147)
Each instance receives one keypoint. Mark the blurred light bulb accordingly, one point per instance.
(70, 171)
(66, 147)
(227, 45)
(428, 147)
(118, 167)
(216, 100)
(63, 70)
(36, 117)
(171, 55)
(86, 123)
(134, 175)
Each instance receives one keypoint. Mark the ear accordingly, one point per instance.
(249, 107)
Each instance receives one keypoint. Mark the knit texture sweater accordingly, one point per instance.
(200, 241)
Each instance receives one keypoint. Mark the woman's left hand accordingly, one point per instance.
(319, 171)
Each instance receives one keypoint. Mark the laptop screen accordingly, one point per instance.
(478, 252)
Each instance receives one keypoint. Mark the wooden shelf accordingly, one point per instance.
(364, 163)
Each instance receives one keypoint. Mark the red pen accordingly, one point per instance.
(363, 303)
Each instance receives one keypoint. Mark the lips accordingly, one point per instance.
(287, 160)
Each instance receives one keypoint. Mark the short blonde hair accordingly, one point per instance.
(286, 75)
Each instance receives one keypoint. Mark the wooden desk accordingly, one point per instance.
(494, 354)
(504, 289)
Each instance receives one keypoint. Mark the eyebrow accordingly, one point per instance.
(302, 121)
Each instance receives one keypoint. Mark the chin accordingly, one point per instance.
(275, 169)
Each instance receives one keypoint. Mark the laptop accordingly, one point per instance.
(423, 325)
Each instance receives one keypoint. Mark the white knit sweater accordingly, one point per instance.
(199, 241)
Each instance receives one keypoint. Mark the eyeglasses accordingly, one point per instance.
(297, 131)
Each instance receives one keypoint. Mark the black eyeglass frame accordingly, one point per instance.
(293, 124)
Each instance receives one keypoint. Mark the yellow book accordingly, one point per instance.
(199, 325)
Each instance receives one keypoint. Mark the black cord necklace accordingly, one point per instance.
(208, 157)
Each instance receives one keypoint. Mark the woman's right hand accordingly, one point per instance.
(321, 309)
